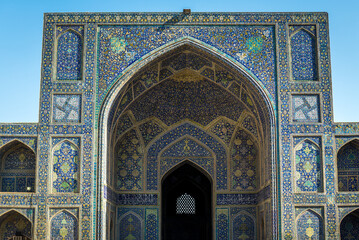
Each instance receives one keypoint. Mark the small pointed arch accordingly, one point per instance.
(307, 140)
(304, 55)
(65, 167)
(13, 211)
(348, 166)
(190, 163)
(244, 226)
(310, 225)
(69, 55)
(130, 226)
(302, 29)
(308, 167)
(17, 167)
(64, 225)
(190, 147)
(14, 142)
(14, 223)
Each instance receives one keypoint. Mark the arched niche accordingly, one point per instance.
(308, 167)
(69, 56)
(64, 225)
(65, 168)
(310, 225)
(349, 226)
(348, 166)
(130, 226)
(18, 167)
(13, 224)
(303, 55)
(244, 226)
(186, 92)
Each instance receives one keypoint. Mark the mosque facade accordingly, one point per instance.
(182, 126)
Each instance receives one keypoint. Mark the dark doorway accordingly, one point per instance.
(349, 227)
(186, 205)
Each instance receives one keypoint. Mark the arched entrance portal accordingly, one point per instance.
(186, 205)
(187, 128)
(349, 226)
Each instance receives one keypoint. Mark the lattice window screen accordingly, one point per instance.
(185, 204)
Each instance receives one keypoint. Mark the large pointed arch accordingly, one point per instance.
(17, 167)
(348, 166)
(14, 223)
(253, 85)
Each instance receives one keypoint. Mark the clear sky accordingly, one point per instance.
(21, 41)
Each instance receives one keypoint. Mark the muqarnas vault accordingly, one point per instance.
(182, 126)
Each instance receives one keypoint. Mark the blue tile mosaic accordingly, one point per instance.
(244, 162)
(130, 226)
(244, 226)
(129, 155)
(303, 52)
(308, 167)
(152, 224)
(173, 135)
(69, 52)
(64, 226)
(222, 224)
(310, 226)
(65, 169)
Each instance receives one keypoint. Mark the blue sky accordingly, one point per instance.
(21, 41)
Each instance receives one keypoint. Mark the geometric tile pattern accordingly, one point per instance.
(305, 108)
(12, 223)
(65, 171)
(310, 226)
(222, 224)
(149, 131)
(252, 44)
(250, 124)
(243, 162)
(152, 225)
(64, 226)
(308, 165)
(194, 97)
(303, 54)
(124, 123)
(66, 108)
(223, 129)
(69, 54)
(129, 155)
(348, 167)
(244, 227)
